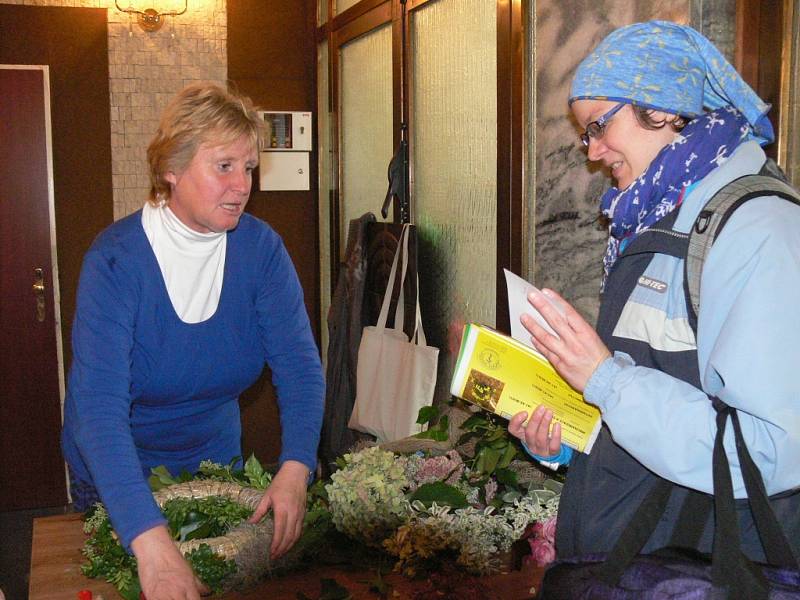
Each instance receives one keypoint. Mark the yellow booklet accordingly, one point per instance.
(505, 377)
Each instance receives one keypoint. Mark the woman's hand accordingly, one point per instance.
(577, 350)
(163, 573)
(537, 434)
(286, 496)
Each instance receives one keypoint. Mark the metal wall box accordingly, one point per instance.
(283, 171)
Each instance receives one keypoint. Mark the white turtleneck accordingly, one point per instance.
(191, 263)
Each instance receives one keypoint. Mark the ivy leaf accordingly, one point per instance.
(508, 455)
(506, 477)
(195, 531)
(132, 592)
(253, 469)
(160, 478)
(427, 414)
(480, 462)
(553, 485)
(490, 457)
(441, 493)
(475, 422)
(439, 432)
(444, 423)
(439, 436)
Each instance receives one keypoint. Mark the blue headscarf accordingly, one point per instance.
(674, 69)
(668, 67)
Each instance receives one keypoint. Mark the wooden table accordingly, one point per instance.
(56, 575)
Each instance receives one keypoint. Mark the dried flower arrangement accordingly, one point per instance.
(465, 506)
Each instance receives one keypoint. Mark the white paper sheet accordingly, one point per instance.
(518, 290)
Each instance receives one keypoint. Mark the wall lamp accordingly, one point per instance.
(150, 19)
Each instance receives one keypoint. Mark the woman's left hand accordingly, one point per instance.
(286, 496)
(577, 351)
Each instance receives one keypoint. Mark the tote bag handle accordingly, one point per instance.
(418, 335)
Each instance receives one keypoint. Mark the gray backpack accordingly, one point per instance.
(770, 181)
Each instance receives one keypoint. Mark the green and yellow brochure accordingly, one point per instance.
(505, 377)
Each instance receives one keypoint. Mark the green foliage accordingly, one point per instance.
(495, 448)
(440, 493)
(161, 478)
(198, 518)
(210, 567)
(437, 423)
(253, 475)
(107, 559)
(187, 519)
(427, 415)
(218, 472)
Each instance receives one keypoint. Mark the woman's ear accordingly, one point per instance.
(170, 177)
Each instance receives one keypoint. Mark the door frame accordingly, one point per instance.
(54, 295)
(51, 208)
(511, 104)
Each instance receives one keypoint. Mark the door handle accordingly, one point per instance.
(38, 291)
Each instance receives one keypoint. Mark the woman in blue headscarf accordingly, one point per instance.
(673, 122)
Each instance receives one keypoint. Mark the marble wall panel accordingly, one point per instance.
(791, 108)
(567, 239)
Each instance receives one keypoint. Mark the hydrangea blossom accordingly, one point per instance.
(367, 496)
(369, 501)
(448, 468)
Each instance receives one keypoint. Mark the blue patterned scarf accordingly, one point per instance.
(704, 144)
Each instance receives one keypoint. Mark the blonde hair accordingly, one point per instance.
(199, 114)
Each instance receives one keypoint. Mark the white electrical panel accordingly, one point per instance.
(287, 131)
(282, 171)
(284, 160)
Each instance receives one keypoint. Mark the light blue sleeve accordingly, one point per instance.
(563, 457)
(748, 354)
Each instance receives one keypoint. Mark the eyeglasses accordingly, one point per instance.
(596, 129)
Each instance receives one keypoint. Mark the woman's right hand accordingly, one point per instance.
(537, 434)
(163, 573)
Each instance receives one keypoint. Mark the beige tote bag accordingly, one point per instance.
(395, 377)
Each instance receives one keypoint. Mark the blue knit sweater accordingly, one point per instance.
(147, 389)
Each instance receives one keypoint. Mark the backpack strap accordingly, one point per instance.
(770, 181)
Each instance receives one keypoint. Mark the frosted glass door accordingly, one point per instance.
(343, 5)
(454, 166)
(365, 124)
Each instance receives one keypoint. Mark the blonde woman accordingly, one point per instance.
(180, 307)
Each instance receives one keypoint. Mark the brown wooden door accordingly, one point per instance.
(31, 464)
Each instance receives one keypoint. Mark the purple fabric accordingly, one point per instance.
(652, 577)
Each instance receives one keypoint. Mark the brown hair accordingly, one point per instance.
(200, 113)
(645, 118)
